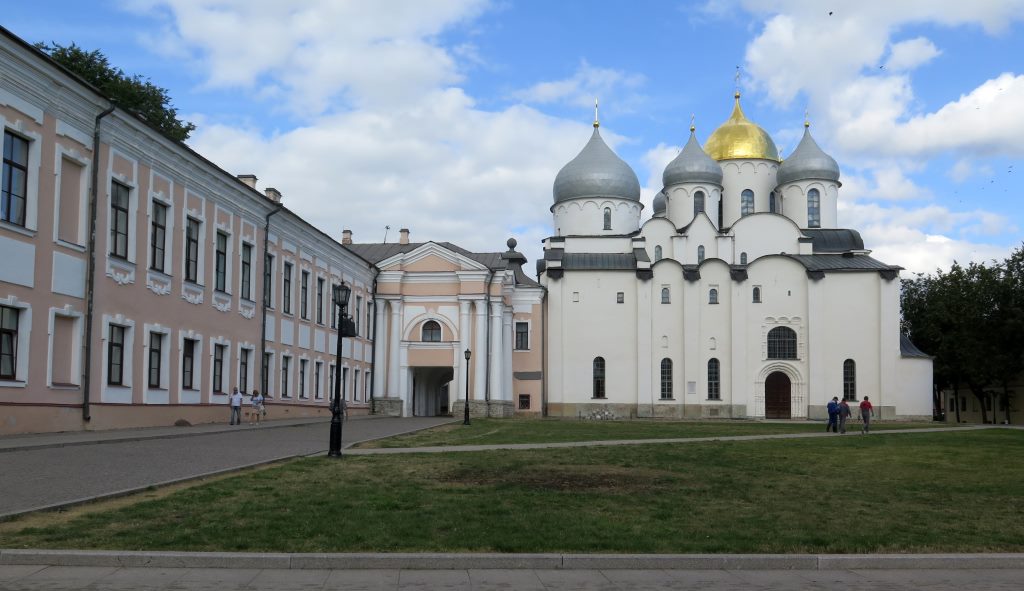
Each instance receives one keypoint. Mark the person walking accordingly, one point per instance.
(833, 415)
(866, 412)
(844, 413)
(236, 407)
(255, 407)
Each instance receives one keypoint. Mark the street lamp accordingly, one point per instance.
(465, 413)
(341, 295)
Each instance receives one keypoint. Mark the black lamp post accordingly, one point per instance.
(341, 295)
(465, 414)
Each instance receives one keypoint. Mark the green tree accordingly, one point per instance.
(133, 93)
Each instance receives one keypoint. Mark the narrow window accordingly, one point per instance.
(285, 362)
(522, 336)
(265, 374)
(355, 385)
(70, 195)
(757, 295)
(221, 276)
(192, 250)
(303, 366)
(268, 282)
(304, 296)
(713, 296)
(319, 300)
(287, 288)
(524, 402)
(344, 383)
(156, 342)
(746, 202)
(700, 254)
(599, 377)
(115, 356)
(813, 209)
(698, 202)
(743, 258)
(719, 214)
(781, 343)
(334, 308)
(431, 332)
(218, 368)
(665, 296)
(359, 313)
(8, 342)
(119, 201)
(243, 370)
(64, 345)
(607, 218)
(714, 380)
(158, 237)
(850, 380)
(317, 368)
(188, 356)
(666, 379)
(620, 297)
(330, 381)
(247, 272)
(15, 180)
(657, 253)
(772, 207)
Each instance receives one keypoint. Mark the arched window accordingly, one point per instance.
(714, 379)
(666, 379)
(698, 202)
(665, 296)
(713, 296)
(607, 218)
(772, 207)
(743, 258)
(657, 253)
(850, 380)
(781, 343)
(719, 214)
(598, 377)
(431, 332)
(813, 209)
(757, 295)
(700, 254)
(746, 202)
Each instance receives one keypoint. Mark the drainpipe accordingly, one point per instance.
(90, 277)
(263, 295)
(373, 349)
(487, 319)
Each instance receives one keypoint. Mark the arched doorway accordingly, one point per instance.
(430, 391)
(777, 399)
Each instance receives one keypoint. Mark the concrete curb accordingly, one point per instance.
(447, 561)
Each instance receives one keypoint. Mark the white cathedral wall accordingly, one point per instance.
(659, 232)
(757, 175)
(599, 244)
(794, 202)
(586, 217)
(666, 334)
(700, 233)
(763, 234)
(714, 329)
(679, 205)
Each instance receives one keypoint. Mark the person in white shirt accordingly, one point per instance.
(256, 403)
(236, 407)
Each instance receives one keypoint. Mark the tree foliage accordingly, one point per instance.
(972, 320)
(134, 93)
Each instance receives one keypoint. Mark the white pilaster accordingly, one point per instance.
(480, 353)
(497, 355)
(465, 337)
(393, 342)
(507, 345)
(380, 350)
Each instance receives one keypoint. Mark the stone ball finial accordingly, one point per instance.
(511, 243)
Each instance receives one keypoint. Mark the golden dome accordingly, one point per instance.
(738, 137)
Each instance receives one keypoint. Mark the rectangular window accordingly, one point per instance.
(247, 272)
(66, 346)
(366, 386)
(344, 383)
(620, 297)
(318, 367)
(522, 336)
(285, 362)
(268, 280)
(319, 300)
(70, 201)
(369, 325)
(158, 237)
(119, 202)
(355, 385)
(334, 308)
(156, 350)
(8, 342)
(303, 366)
(115, 356)
(330, 381)
(359, 313)
(188, 358)
(15, 180)
(218, 368)
(265, 374)
(304, 296)
(192, 250)
(287, 288)
(220, 281)
(714, 380)
(524, 402)
(243, 370)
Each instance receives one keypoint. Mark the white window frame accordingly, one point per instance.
(21, 363)
(225, 370)
(158, 395)
(112, 393)
(76, 344)
(195, 393)
(74, 156)
(35, 154)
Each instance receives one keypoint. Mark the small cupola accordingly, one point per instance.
(692, 165)
(807, 162)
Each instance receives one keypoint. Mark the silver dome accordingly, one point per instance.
(596, 172)
(692, 165)
(807, 161)
(660, 205)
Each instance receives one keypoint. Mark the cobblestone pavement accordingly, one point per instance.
(45, 472)
(57, 578)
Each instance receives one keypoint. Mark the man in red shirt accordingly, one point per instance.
(866, 412)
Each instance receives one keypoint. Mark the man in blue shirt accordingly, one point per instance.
(833, 415)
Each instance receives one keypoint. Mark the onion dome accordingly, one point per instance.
(808, 161)
(738, 137)
(660, 205)
(596, 172)
(692, 165)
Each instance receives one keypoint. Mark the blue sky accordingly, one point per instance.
(452, 117)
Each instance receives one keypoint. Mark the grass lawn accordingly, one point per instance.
(499, 431)
(925, 492)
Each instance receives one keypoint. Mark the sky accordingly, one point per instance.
(452, 117)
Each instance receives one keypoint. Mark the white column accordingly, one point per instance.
(497, 352)
(480, 352)
(393, 341)
(507, 345)
(465, 337)
(379, 350)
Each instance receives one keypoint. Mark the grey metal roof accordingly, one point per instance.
(909, 349)
(839, 262)
(596, 172)
(807, 161)
(834, 240)
(589, 261)
(692, 165)
(660, 205)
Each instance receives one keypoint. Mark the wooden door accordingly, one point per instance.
(777, 396)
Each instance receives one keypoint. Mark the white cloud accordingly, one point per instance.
(586, 84)
(907, 55)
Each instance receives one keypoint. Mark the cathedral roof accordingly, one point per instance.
(660, 206)
(739, 137)
(692, 165)
(808, 161)
(596, 172)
